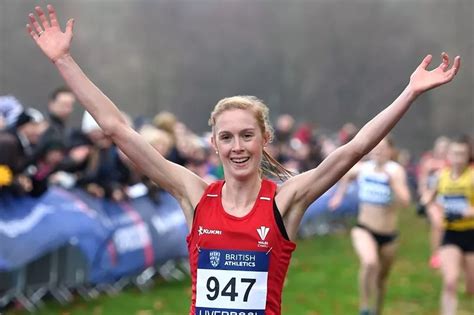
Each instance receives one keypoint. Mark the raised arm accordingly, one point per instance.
(55, 44)
(298, 192)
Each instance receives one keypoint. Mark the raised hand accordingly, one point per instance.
(423, 80)
(47, 33)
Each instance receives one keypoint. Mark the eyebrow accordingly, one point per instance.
(241, 131)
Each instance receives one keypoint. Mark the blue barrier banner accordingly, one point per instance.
(118, 239)
(145, 234)
(31, 227)
(169, 229)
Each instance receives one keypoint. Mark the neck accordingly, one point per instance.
(240, 195)
(457, 171)
(380, 164)
(56, 118)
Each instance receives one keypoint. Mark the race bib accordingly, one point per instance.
(231, 282)
(375, 191)
(454, 204)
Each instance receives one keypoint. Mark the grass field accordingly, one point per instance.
(321, 281)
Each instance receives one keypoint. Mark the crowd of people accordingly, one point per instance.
(111, 152)
(40, 149)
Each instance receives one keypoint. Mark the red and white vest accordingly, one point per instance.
(238, 264)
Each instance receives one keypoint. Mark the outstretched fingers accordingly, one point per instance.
(42, 17)
(31, 32)
(69, 27)
(426, 61)
(34, 25)
(52, 16)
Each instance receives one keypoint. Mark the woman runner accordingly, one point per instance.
(241, 229)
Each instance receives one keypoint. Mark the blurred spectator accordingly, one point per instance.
(140, 185)
(10, 108)
(303, 134)
(60, 107)
(168, 122)
(17, 145)
(306, 148)
(76, 156)
(471, 140)
(281, 150)
(46, 163)
(27, 129)
(405, 159)
(430, 164)
(8, 160)
(198, 159)
(159, 139)
(347, 132)
(283, 128)
(104, 174)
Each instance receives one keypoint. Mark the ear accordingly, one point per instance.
(266, 139)
(213, 142)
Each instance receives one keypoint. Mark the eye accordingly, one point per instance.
(224, 137)
(248, 136)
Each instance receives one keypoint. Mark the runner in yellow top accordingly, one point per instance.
(455, 196)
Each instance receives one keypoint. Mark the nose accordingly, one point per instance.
(237, 145)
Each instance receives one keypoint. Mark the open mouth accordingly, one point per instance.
(240, 160)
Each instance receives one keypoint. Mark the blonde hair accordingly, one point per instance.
(159, 139)
(165, 121)
(269, 166)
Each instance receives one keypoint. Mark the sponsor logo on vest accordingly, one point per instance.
(263, 232)
(214, 258)
(202, 231)
(240, 260)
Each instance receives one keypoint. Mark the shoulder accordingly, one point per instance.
(470, 170)
(213, 189)
(394, 167)
(443, 171)
(365, 166)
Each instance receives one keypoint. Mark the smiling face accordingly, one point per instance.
(239, 141)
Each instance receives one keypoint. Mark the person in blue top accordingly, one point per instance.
(383, 189)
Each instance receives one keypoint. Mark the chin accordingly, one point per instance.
(243, 174)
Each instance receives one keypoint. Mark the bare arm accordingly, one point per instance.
(300, 191)
(470, 210)
(423, 177)
(180, 182)
(429, 194)
(400, 187)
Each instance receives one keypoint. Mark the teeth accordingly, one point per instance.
(241, 160)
